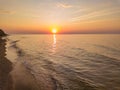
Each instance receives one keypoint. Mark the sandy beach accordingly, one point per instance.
(5, 68)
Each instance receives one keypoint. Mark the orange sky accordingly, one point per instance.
(68, 16)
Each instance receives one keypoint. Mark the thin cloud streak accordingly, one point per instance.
(97, 14)
(63, 5)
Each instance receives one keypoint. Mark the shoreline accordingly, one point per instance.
(17, 76)
(13, 74)
(5, 68)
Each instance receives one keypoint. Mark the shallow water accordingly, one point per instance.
(69, 62)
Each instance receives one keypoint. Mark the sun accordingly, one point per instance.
(54, 31)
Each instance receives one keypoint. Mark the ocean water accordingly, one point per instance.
(65, 62)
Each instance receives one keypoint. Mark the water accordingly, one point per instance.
(66, 62)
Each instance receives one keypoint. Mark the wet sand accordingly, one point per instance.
(14, 76)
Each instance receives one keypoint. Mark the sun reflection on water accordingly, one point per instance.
(54, 43)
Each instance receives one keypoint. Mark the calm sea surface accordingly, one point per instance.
(69, 62)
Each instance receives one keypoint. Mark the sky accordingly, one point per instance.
(67, 16)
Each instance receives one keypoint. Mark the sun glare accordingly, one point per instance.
(54, 31)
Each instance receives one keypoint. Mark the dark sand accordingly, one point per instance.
(5, 68)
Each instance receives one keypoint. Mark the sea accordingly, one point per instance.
(65, 61)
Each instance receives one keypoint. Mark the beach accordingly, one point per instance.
(59, 62)
(5, 68)
(14, 76)
(59, 44)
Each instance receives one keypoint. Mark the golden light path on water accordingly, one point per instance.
(54, 43)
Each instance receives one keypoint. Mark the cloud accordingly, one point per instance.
(2, 11)
(98, 14)
(63, 5)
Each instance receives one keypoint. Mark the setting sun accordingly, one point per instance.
(54, 31)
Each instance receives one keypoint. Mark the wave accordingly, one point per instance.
(108, 48)
(59, 76)
(14, 45)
